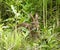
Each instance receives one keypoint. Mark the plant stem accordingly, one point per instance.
(57, 13)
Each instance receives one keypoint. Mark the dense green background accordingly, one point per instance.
(14, 12)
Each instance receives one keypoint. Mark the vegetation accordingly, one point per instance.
(29, 24)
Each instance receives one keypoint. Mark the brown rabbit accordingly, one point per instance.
(33, 27)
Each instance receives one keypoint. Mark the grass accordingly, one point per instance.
(20, 11)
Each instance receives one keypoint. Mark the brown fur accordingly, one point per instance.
(33, 26)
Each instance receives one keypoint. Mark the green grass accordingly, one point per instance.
(13, 13)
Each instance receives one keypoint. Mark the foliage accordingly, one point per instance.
(29, 24)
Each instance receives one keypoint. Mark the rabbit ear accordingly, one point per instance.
(32, 17)
(36, 16)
